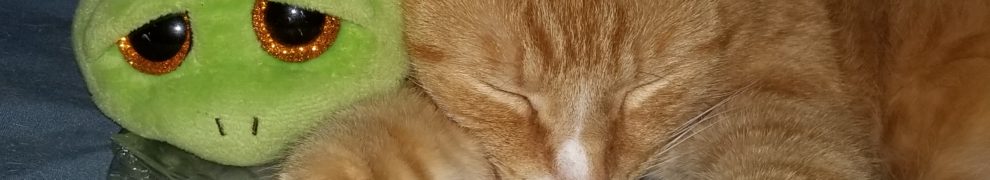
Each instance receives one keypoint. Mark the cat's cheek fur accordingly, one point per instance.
(394, 135)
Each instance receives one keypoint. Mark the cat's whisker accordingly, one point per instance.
(690, 128)
(270, 167)
(687, 133)
(270, 176)
(701, 117)
(683, 134)
(651, 74)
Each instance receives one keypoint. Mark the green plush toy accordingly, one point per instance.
(235, 81)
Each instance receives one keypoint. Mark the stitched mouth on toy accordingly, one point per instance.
(254, 125)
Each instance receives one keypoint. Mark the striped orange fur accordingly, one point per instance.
(682, 89)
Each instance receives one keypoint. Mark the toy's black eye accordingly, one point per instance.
(291, 33)
(292, 25)
(159, 46)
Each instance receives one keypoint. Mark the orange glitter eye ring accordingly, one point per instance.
(291, 33)
(160, 46)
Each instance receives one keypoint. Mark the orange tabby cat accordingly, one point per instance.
(683, 89)
(679, 89)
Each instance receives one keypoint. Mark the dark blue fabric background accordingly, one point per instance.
(49, 128)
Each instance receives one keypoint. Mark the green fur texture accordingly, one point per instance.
(228, 76)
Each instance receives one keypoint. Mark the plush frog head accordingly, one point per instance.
(235, 81)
